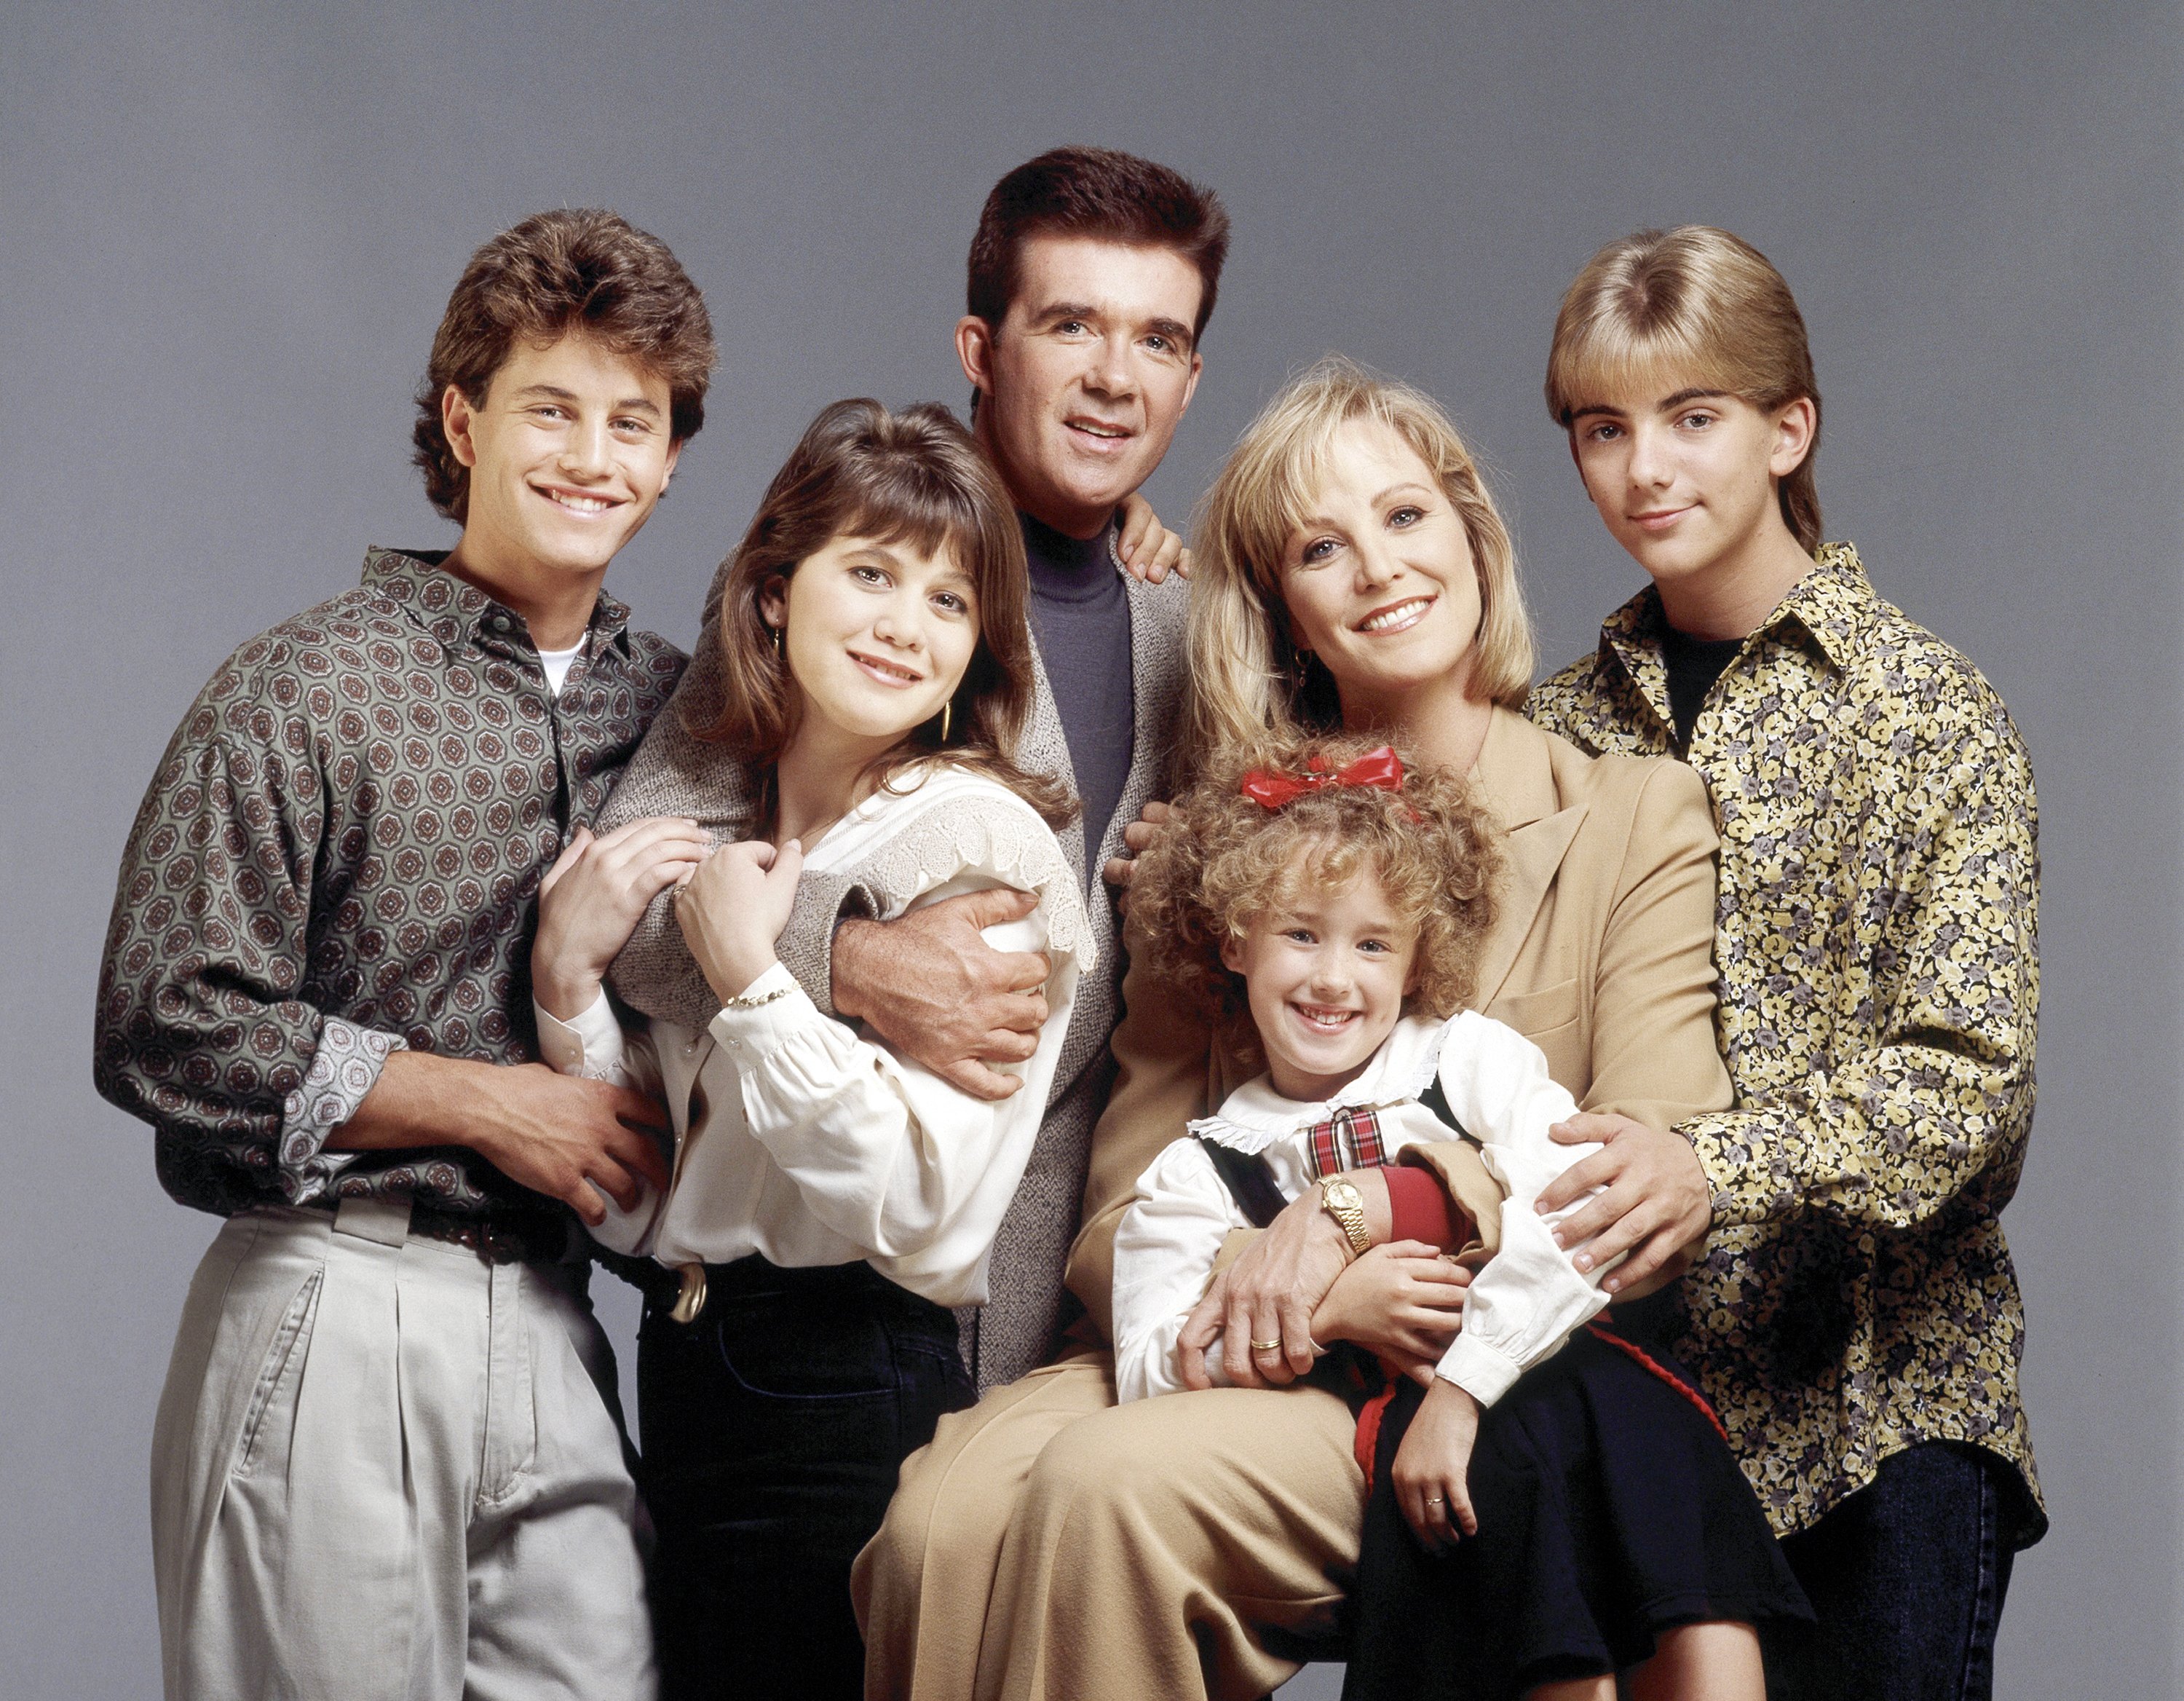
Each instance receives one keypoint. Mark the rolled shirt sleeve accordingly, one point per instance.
(204, 1028)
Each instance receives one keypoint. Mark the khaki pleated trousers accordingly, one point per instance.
(384, 1470)
(1050, 1543)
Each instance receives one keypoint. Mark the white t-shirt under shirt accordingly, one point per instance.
(808, 1141)
(556, 664)
(1518, 1310)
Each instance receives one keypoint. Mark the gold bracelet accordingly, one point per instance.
(745, 1000)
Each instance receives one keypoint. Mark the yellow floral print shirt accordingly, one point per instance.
(1878, 984)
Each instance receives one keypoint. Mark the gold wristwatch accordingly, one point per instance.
(1342, 1201)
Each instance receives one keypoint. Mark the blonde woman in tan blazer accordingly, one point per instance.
(1048, 1542)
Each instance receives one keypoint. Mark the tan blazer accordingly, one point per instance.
(1602, 955)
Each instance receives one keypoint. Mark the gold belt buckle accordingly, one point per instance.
(691, 1300)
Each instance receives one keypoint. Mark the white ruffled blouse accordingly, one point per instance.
(1518, 1310)
(808, 1141)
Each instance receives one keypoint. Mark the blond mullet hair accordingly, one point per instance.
(1248, 678)
(1706, 306)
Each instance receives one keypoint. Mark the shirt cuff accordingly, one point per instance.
(749, 1030)
(344, 1069)
(588, 1044)
(1479, 1370)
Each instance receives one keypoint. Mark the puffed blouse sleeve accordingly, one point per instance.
(882, 1151)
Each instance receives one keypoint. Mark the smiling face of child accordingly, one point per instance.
(1325, 973)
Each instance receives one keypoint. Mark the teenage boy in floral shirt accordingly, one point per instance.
(1855, 1318)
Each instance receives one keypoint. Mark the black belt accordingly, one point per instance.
(499, 1240)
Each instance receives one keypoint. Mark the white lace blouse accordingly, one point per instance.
(808, 1141)
(1518, 1310)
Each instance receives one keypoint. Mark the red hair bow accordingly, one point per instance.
(1382, 768)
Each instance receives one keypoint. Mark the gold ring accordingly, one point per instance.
(1433, 1500)
(1266, 1345)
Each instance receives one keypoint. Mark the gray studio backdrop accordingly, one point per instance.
(229, 232)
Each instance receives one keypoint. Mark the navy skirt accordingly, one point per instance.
(1610, 1510)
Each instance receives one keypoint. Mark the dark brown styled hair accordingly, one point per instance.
(1093, 191)
(1699, 302)
(916, 478)
(1221, 861)
(580, 269)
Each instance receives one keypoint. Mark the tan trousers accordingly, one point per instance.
(1050, 1543)
(383, 1471)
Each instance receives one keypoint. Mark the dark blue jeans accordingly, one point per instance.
(773, 1427)
(1907, 1577)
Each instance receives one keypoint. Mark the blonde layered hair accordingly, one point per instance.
(1248, 678)
(1705, 306)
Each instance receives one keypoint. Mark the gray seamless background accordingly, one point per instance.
(230, 230)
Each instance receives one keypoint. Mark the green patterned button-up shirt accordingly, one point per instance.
(1878, 984)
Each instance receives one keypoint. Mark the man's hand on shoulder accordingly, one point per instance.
(1150, 551)
(1137, 838)
(929, 984)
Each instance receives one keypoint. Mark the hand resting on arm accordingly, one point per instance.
(570, 1139)
(929, 986)
(1656, 1203)
(1272, 1289)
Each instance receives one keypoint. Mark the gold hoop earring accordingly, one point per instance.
(944, 709)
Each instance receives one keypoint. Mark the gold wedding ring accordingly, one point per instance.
(1266, 1345)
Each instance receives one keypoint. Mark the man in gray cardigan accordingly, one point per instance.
(1092, 276)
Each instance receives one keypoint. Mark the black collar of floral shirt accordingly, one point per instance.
(1829, 609)
(459, 614)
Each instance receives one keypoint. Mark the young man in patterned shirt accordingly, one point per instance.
(388, 1460)
(1855, 1317)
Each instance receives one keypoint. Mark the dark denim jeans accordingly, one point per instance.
(773, 1427)
(1907, 1577)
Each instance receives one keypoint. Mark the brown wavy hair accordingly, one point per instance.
(918, 479)
(1706, 304)
(1093, 191)
(574, 269)
(1221, 861)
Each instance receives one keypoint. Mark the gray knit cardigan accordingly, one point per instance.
(674, 773)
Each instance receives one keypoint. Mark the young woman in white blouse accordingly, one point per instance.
(830, 1201)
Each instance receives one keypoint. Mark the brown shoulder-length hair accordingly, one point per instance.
(1706, 305)
(574, 269)
(1248, 678)
(916, 478)
(1221, 861)
(1095, 192)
